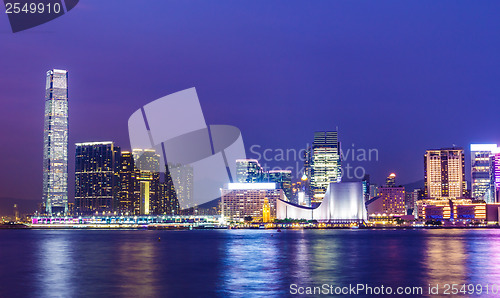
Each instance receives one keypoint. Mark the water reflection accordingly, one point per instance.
(484, 257)
(137, 269)
(251, 263)
(241, 262)
(445, 257)
(55, 270)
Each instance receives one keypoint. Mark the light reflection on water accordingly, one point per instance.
(55, 255)
(83, 263)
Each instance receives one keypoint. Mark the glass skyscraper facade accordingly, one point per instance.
(325, 163)
(283, 180)
(494, 191)
(249, 171)
(481, 179)
(55, 143)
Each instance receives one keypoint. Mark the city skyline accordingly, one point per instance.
(408, 96)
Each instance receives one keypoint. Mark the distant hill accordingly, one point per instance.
(414, 185)
(210, 204)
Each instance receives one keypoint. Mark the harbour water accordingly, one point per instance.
(236, 263)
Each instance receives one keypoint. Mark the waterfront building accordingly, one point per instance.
(266, 211)
(96, 177)
(482, 159)
(390, 199)
(458, 210)
(324, 162)
(240, 200)
(55, 143)
(343, 202)
(444, 173)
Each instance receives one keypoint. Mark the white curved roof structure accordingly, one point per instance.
(342, 202)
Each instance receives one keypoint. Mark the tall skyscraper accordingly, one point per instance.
(168, 200)
(96, 177)
(325, 163)
(128, 177)
(148, 163)
(444, 173)
(182, 177)
(481, 180)
(494, 190)
(55, 143)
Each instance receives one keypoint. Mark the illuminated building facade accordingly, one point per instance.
(182, 176)
(128, 177)
(240, 200)
(494, 193)
(458, 210)
(391, 200)
(148, 192)
(250, 171)
(55, 143)
(343, 202)
(96, 177)
(168, 200)
(482, 156)
(283, 180)
(325, 163)
(266, 211)
(444, 173)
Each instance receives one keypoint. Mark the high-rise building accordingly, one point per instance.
(366, 187)
(283, 180)
(481, 179)
(148, 192)
(390, 200)
(128, 177)
(494, 191)
(55, 143)
(96, 177)
(444, 173)
(168, 200)
(325, 163)
(182, 177)
(249, 171)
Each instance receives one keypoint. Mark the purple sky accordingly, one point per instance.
(397, 76)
